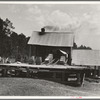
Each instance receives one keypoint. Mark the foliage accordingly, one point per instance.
(12, 44)
(80, 47)
(5, 31)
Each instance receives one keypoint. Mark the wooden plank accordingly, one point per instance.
(44, 66)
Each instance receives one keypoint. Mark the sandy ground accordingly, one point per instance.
(40, 87)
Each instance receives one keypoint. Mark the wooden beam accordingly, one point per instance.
(30, 51)
(63, 76)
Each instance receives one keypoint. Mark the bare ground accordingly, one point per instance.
(39, 87)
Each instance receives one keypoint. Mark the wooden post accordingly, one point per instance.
(54, 75)
(4, 72)
(83, 77)
(63, 76)
(78, 78)
(28, 72)
(70, 56)
(66, 77)
(99, 71)
(30, 51)
(95, 72)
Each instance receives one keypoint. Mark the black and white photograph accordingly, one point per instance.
(50, 49)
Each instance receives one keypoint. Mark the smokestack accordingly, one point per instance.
(42, 31)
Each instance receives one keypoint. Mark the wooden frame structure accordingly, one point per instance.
(67, 73)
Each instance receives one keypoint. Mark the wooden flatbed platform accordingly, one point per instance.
(66, 72)
(44, 66)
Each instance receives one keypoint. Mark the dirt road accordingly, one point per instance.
(39, 87)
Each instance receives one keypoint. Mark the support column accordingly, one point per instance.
(30, 51)
(98, 71)
(63, 76)
(78, 78)
(70, 56)
(54, 75)
(83, 77)
(4, 72)
(28, 72)
(95, 72)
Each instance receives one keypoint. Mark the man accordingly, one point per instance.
(61, 57)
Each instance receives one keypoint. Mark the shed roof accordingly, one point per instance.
(62, 39)
(86, 57)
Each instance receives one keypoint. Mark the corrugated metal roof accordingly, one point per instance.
(86, 57)
(52, 39)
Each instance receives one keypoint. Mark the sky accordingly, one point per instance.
(82, 19)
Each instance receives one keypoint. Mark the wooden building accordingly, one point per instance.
(89, 58)
(42, 43)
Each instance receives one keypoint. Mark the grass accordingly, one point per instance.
(40, 87)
